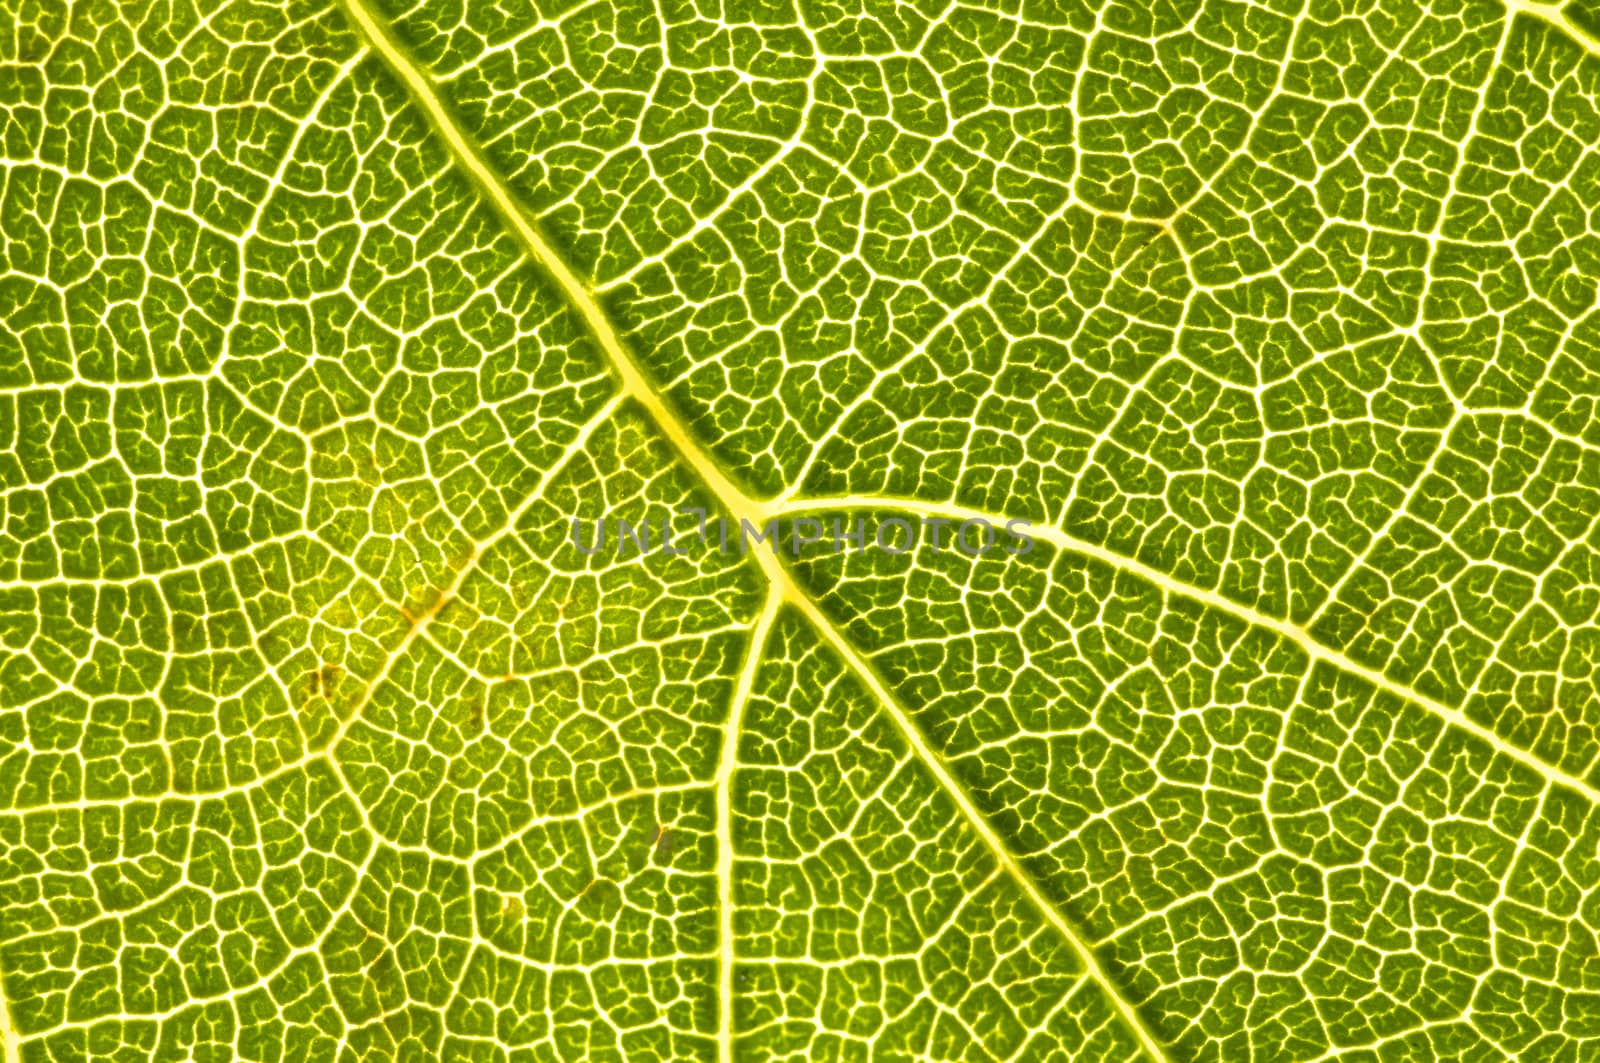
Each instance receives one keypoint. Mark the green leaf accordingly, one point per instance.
(1270, 733)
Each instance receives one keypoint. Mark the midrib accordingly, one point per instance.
(740, 506)
(493, 187)
(737, 504)
(10, 1040)
(1554, 15)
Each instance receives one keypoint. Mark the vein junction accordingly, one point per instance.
(786, 589)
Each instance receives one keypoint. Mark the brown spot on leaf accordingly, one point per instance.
(323, 677)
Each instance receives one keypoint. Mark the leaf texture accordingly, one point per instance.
(322, 736)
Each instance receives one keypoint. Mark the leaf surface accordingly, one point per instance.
(321, 738)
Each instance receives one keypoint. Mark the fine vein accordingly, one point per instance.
(1285, 629)
(732, 499)
(725, 853)
(740, 506)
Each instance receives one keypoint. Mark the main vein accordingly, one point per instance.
(725, 854)
(1555, 16)
(1285, 629)
(10, 1040)
(740, 506)
(467, 155)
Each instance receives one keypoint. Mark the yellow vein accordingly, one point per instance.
(969, 811)
(517, 217)
(8, 1032)
(730, 756)
(419, 624)
(1555, 16)
(1285, 629)
(738, 505)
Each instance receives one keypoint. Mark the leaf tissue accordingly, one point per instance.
(1101, 509)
